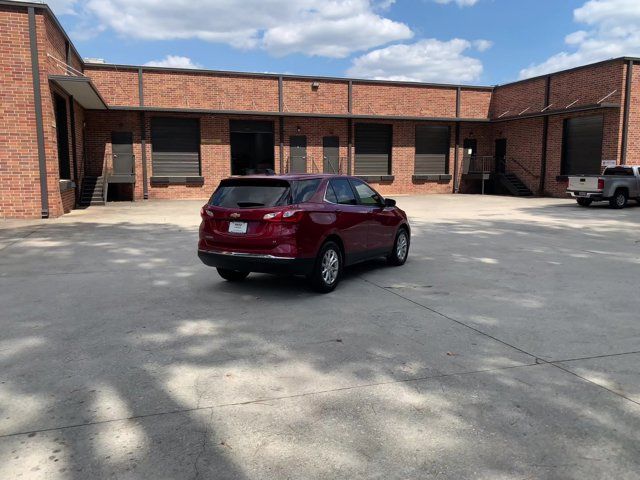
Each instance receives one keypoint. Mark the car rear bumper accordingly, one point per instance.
(254, 262)
(590, 195)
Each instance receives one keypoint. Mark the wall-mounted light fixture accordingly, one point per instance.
(298, 129)
(315, 85)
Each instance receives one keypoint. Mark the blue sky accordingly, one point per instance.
(450, 41)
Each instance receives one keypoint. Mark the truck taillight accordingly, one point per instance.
(601, 184)
(287, 216)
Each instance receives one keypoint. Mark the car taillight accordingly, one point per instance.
(205, 212)
(288, 216)
(601, 184)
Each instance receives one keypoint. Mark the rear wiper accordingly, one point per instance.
(250, 204)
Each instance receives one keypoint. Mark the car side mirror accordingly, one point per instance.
(389, 202)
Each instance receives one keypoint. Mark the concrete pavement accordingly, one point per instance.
(508, 347)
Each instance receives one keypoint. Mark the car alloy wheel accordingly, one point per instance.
(400, 251)
(330, 266)
(402, 246)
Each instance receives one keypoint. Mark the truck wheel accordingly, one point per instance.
(328, 268)
(619, 199)
(232, 275)
(584, 202)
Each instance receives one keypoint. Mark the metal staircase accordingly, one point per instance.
(512, 183)
(93, 190)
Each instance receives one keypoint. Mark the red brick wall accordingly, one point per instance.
(509, 100)
(68, 199)
(19, 174)
(475, 103)
(19, 168)
(329, 97)
(633, 142)
(403, 100)
(588, 85)
(118, 87)
(210, 91)
(50, 39)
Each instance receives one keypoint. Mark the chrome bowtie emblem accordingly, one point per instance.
(235, 215)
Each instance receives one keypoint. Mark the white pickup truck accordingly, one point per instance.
(616, 185)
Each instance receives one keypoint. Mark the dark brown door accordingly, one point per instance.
(122, 152)
(298, 154)
(501, 155)
(331, 155)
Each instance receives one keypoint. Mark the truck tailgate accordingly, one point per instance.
(583, 184)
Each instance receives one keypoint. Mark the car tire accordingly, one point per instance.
(584, 202)
(619, 199)
(327, 269)
(400, 252)
(232, 275)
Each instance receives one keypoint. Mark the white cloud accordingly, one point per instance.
(461, 3)
(173, 61)
(614, 31)
(428, 60)
(482, 45)
(62, 7)
(330, 28)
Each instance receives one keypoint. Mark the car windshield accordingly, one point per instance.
(251, 194)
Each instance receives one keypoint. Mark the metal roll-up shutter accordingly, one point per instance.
(175, 146)
(582, 145)
(432, 149)
(373, 149)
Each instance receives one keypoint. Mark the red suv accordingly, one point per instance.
(312, 225)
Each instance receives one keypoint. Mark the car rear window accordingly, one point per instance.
(618, 171)
(251, 194)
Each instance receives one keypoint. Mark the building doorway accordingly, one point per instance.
(330, 154)
(298, 154)
(62, 137)
(252, 147)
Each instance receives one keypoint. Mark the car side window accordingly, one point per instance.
(343, 191)
(366, 194)
(303, 190)
(330, 195)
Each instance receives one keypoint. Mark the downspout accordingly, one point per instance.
(545, 138)
(627, 106)
(281, 122)
(74, 156)
(349, 125)
(143, 137)
(456, 153)
(37, 99)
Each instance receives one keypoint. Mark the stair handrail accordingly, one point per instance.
(514, 160)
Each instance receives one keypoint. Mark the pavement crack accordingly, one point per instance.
(538, 360)
(17, 240)
(261, 401)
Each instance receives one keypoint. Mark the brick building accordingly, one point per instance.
(71, 129)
